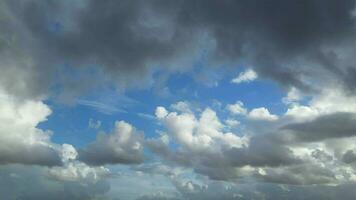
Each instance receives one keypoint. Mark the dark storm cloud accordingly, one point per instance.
(336, 125)
(282, 40)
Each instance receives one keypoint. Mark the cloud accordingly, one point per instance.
(122, 146)
(94, 124)
(32, 183)
(204, 146)
(100, 107)
(237, 108)
(76, 171)
(307, 47)
(132, 39)
(261, 114)
(349, 157)
(336, 125)
(232, 123)
(246, 76)
(20, 139)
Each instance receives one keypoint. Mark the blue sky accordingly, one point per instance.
(70, 123)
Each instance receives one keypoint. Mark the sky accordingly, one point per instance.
(177, 100)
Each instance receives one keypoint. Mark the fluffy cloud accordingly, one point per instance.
(122, 145)
(261, 113)
(287, 151)
(20, 140)
(76, 171)
(204, 146)
(198, 133)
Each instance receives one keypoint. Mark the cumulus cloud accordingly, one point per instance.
(261, 113)
(20, 139)
(122, 145)
(204, 146)
(76, 171)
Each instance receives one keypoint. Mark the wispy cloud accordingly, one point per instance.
(101, 107)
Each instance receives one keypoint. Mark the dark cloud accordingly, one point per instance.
(349, 157)
(285, 41)
(336, 125)
(263, 151)
(224, 164)
(30, 155)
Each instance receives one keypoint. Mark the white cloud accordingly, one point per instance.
(330, 100)
(293, 95)
(237, 108)
(20, 139)
(181, 106)
(193, 133)
(262, 113)
(74, 170)
(94, 124)
(246, 76)
(161, 112)
(232, 123)
(101, 107)
(301, 112)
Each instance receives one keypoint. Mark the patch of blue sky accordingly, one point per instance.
(203, 88)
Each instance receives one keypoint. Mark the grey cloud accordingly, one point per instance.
(158, 197)
(336, 125)
(224, 165)
(30, 183)
(299, 175)
(223, 190)
(281, 40)
(122, 146)
(349, 157)
(30, 155)
(263, 151)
